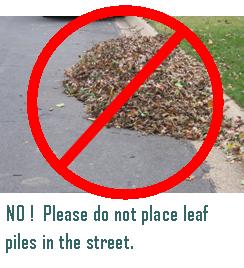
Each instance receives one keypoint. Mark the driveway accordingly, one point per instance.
(115, 158)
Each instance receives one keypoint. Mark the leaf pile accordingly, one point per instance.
(231, 139)
(176, 100)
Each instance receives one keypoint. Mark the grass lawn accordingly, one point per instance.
(224, 37)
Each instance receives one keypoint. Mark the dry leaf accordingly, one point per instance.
(60, 105)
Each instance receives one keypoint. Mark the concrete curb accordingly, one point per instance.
(141, 26)
(134, 25)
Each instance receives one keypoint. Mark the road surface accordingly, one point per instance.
(115, 158)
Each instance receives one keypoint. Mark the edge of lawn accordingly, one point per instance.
(224, 37)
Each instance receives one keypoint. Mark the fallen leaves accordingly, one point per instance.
(176, 100)
(231, 139)
(210, 42)
(191, 178)
(60, 105)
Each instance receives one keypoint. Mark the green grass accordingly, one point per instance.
(224, 37)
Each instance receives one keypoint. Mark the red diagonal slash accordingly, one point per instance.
(121, 99)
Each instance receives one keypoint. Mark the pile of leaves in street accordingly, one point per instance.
(176, 100)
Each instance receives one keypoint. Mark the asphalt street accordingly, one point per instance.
(115, 158)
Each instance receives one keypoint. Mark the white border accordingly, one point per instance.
(78, 7)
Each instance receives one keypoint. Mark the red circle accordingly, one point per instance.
(69, 175)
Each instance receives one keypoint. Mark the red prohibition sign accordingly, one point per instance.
(61, 165)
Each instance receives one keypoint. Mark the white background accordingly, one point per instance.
(78, 7)
(219, 242)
